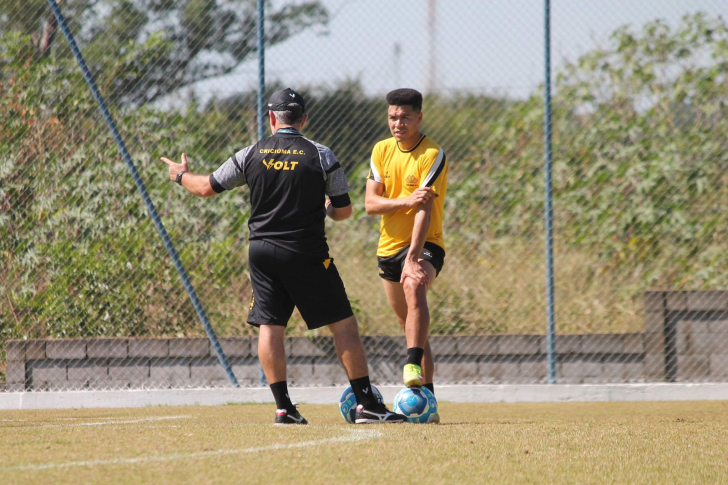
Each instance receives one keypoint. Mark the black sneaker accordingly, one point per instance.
(284, 416)
(379, 414)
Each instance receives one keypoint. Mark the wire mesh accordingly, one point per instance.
(90, 298)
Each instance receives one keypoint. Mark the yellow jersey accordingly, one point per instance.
(402, 172)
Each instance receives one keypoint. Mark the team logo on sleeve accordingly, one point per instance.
(412, 181)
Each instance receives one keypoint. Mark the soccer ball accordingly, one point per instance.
(418, 404)
(347, 403)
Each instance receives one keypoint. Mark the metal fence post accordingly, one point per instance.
(548, 200)
(145, 194)
(261, 69)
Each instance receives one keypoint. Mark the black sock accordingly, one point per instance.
(280, 394)
(431, 387)
(363, 392)
(414, 355)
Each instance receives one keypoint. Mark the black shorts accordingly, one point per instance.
(283, 279)
(390, 267)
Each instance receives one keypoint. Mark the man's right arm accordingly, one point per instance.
(376, 204)
(230, 174)
(196, 184)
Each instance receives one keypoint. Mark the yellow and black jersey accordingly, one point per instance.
(402, 172)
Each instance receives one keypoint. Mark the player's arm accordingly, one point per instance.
(338, 213)
(196, 184)
(412, 267)
(338, 203)
(432, 178)
(376, 204)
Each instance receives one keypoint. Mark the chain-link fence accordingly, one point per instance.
(91, 298)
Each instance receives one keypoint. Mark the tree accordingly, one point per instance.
(639, 155)
(141, 50)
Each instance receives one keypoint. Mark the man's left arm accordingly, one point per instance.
(434, 178)
(412, 267)
(338, 203)
(338, 213)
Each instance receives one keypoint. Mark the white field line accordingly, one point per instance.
(113, 423)
(107, 423)
(354, 435)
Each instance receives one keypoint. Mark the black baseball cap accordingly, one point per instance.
(282, 100)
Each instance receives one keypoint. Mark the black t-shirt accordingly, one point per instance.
(289, 177)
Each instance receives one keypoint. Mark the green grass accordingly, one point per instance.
(673, 442)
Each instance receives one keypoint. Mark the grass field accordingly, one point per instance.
(685, 442)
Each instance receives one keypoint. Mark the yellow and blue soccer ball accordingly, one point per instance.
(347, 403)
(418, 404)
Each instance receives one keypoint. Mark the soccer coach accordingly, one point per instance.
(290, 177)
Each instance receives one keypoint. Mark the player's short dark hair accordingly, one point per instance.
(405, 97)
(292, 117)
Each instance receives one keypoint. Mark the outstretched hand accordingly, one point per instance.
(175, 168)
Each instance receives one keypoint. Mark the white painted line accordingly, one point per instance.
(353, 435)
(109, 423)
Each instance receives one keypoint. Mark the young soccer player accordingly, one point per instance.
(406, 186)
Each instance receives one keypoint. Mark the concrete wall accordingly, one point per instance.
(685, 339)
(686, 336)
(170, 363)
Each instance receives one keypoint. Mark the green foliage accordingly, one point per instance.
(80, 254)
(639, 184)
(639, 156)
(141, 50)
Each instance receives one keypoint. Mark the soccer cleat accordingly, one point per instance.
(380, 414)
(412, 375)
(283, 416)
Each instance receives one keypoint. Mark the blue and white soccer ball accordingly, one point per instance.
(418, 404)
(347, 403)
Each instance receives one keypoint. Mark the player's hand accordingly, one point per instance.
(413, 269)
(421, 195)
(175, 168)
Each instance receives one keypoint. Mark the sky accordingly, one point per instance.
(493, 47)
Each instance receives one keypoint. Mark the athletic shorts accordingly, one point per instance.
(390, 267)
(283, 279)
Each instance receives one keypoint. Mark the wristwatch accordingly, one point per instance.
(179, 177)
